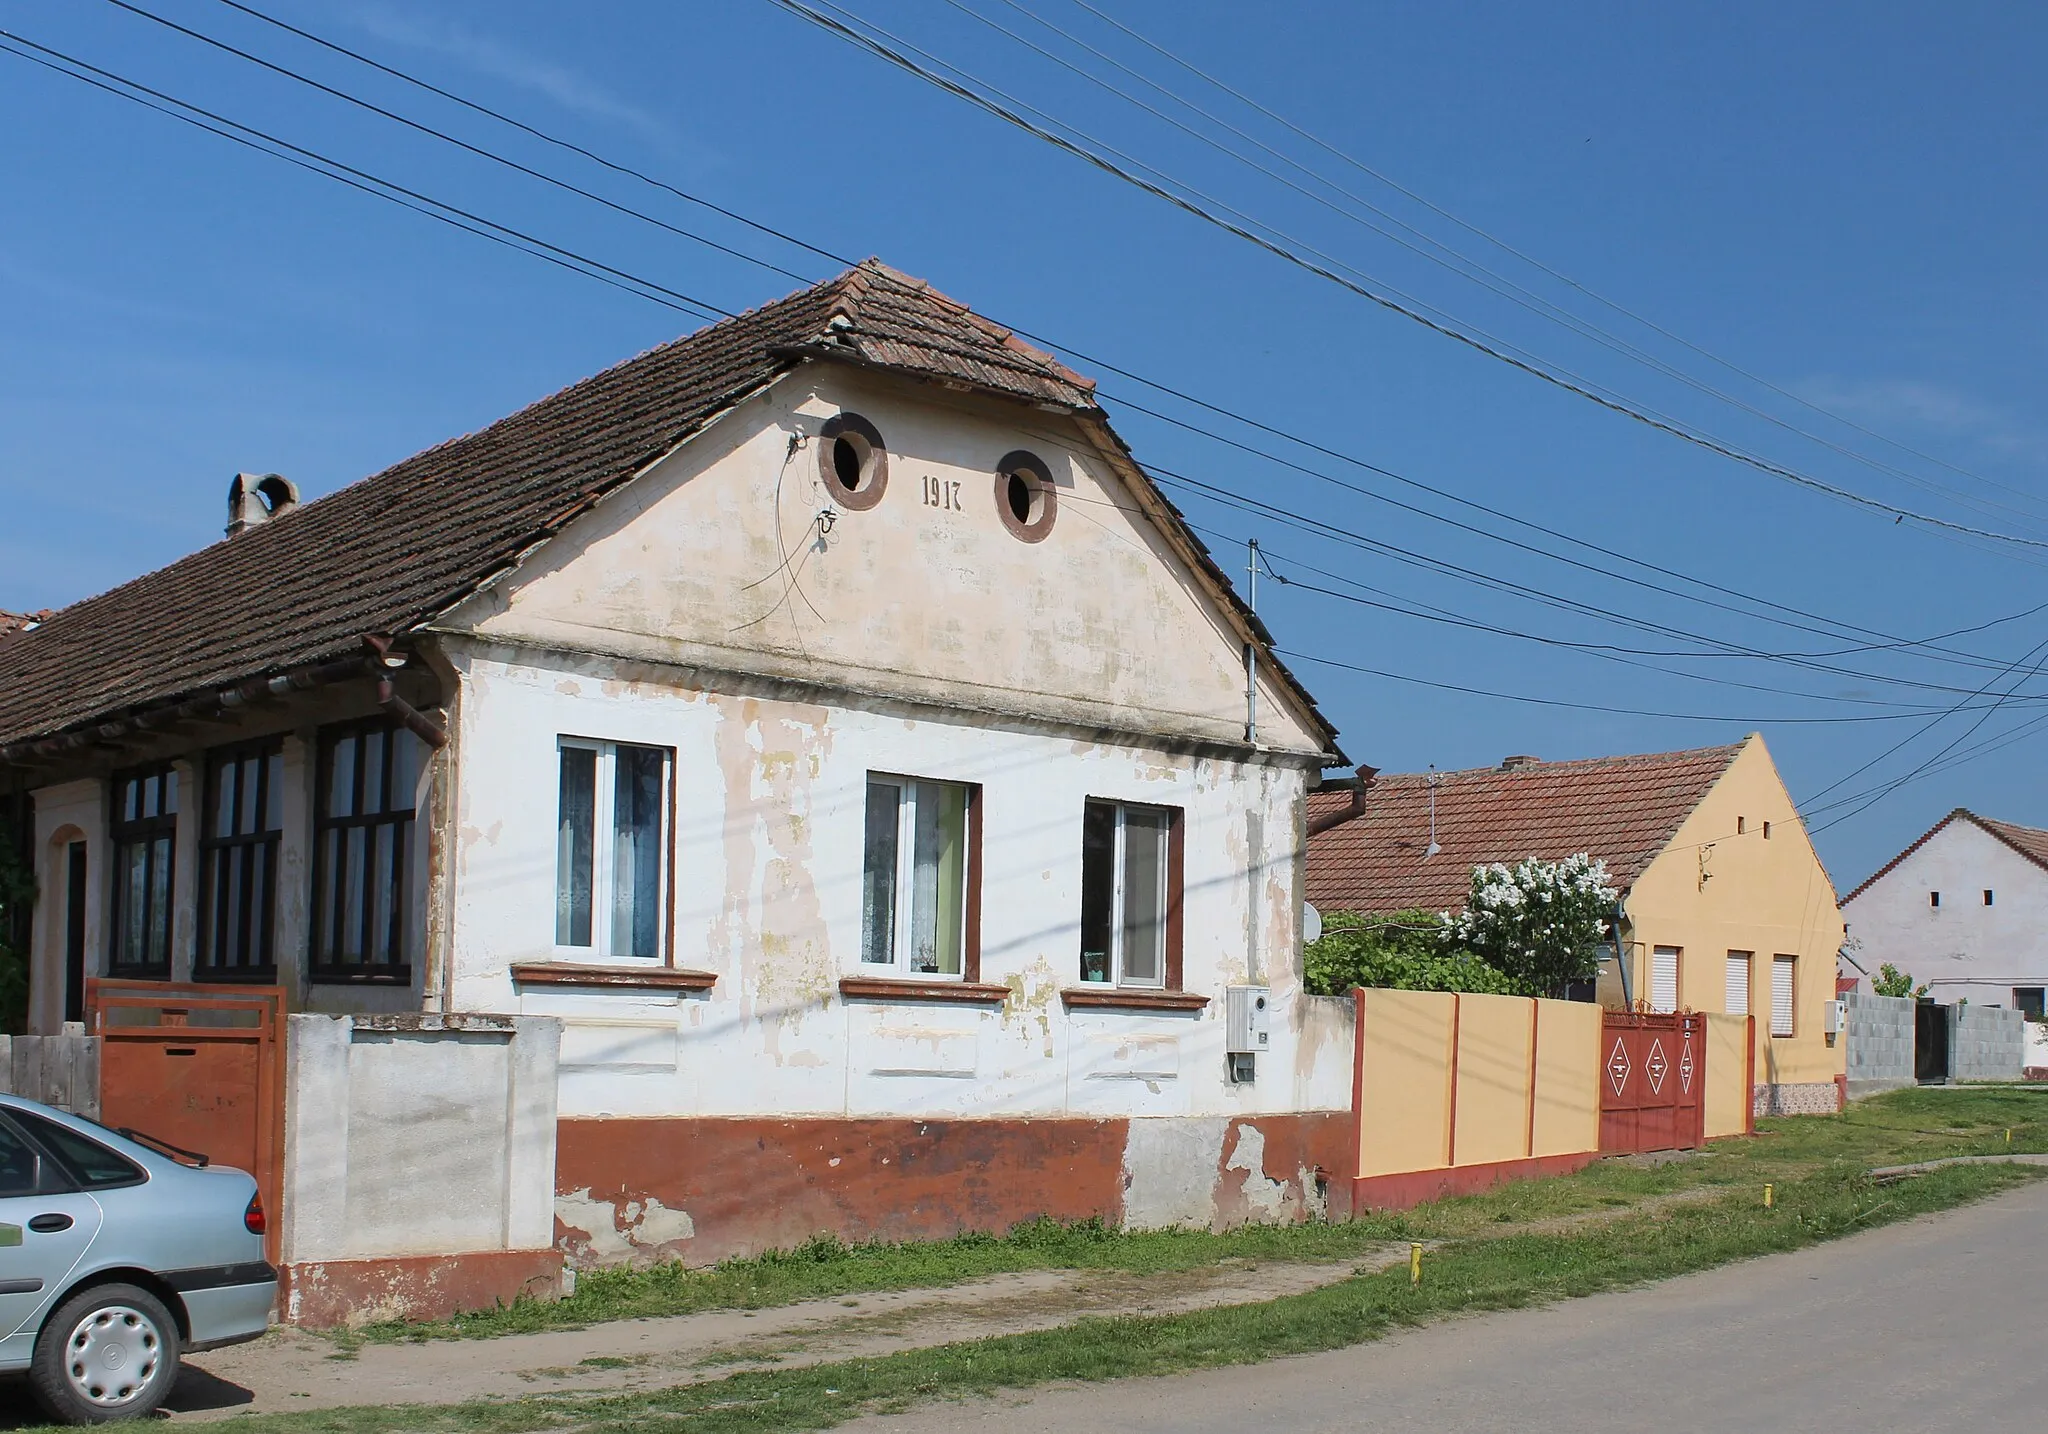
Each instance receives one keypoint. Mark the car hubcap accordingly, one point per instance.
(113, 1355)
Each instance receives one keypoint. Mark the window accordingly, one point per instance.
(919, 874)
(1736, 998)
(362, 853)
(1783, 971)
(1664, 978)
(145, 829)
(74, 930)
(1934, 898)
(853, 461)
(2027, 1000)
(19, 1165)
(1767, 831)
(1741, 825)
(1987, 896)
(87, 1161)
(1130, 895)
(238, 838)
(1026, 499)
(611, 848)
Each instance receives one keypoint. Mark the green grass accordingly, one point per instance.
(1468, 1276)
(1893, 1129)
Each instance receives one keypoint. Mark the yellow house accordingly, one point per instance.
(1724, 905)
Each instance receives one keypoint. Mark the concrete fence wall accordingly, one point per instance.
(1457, 1092)
(1986, 1043)
(63, 1071)
(1879, 1036)
(419, 1164)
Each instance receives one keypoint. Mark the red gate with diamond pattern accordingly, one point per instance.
(1653, 1081)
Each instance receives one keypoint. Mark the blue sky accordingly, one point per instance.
(1840, 201)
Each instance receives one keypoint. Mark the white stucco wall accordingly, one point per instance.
(767, 895)
(1961, 948)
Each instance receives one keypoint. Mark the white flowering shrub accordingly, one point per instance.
(1539, 922)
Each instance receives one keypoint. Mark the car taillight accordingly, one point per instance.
(252, 1218)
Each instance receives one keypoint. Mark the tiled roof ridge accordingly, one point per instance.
(1999, 831)
(1006, 337)
(1572, 764)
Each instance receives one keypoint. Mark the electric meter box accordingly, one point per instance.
(1247, 1029)
(1838, 1017)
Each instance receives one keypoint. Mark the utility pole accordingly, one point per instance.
(1251, 651)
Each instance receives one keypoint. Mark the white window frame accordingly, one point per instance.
(1118, 977)
(903, 917)
(603, 850)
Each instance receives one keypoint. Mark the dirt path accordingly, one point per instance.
(289, 1369)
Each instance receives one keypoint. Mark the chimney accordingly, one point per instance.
(1519, 763)
(255, 498)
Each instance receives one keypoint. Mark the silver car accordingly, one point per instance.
(116, 1258)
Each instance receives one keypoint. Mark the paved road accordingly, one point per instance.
(1934, 1324)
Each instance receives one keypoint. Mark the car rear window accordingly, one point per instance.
(91, 1164)
(17, 1164)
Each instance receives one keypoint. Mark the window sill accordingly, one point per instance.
(1124, 998)
(614, 978)
(895, 988)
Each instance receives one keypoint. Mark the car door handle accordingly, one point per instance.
(49, 1224)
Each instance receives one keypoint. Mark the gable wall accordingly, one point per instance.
(1962, 948)
(1097, 624)
(1712, 891)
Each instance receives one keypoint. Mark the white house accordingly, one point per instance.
(822, 716)
(1963, 909)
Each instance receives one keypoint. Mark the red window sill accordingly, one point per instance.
(1129, 999)
(615, 978)
(893, 988)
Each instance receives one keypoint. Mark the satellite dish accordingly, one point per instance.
(1311, 924)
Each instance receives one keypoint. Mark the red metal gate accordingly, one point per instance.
(1653, 1082)
(200, 1067)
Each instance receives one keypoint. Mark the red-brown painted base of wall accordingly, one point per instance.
(326, 1294)
(705, 1189)
(1416, 1187)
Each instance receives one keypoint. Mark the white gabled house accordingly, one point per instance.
(822, 718)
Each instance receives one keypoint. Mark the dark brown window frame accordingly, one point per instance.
(321, 968)
(1029, 466)
(147, 832)
(1176, 894)
(874, 469)
(218, 855)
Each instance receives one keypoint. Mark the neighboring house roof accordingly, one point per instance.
(1623, 810)
(392, 551)
(2029, 842)
(13, 622)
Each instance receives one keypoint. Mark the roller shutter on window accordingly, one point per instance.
(1737, 1000)
(1782, 968)
(1664, 978)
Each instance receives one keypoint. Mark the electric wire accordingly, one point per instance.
(1314, 266)
(1083, 357)
(1481, 233)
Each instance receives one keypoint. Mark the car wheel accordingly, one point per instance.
(107, 1353)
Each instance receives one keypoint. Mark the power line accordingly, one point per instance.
(1083, 357)
(367, 183)
(1450, 330)
(1489, 279)
(374, 179)
(1484, 234)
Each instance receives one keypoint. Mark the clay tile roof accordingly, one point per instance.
(1623, 810)
(393, 550)
(11, 622)
(2029, 842)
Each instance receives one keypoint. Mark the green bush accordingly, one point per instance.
(17, 893)
(1891, 981)
(1404, 950)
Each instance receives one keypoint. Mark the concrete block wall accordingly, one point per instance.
(1879, 1036)
(419, 1164)
(1986, 1043)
